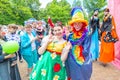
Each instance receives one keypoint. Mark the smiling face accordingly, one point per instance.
(11, 30)
(28, 29)
(77, 26)
(58, 31)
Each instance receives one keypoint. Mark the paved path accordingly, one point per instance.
(99, 72)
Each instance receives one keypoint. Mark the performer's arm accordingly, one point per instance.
(65, 52)
(44, 44)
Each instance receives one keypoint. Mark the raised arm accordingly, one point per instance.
(65, 52)
(44, 44)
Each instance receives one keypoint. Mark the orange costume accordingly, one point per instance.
(107, 51)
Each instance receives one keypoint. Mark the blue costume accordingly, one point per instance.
(79, 62)
(26, 49)
(80, 71)
(94, 49)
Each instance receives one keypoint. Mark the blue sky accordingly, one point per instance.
(44, 2)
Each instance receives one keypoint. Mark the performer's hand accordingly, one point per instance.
(99, 31)
(50, 38)
(35, 38)
(9, 56)
(69, 46)
(113, 27)
(14, 63)
(91, 30)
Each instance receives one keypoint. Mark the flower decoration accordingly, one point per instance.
(57, 67)
(43, 72)
(33, 74)
(56, 77)
(53, 55)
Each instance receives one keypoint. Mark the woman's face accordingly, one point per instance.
(105, 13)
(28, 29)
(77, 26)
(96, 12)
(12, 30)
(58, 31)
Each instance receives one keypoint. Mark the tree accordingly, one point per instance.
(90, 5)
(13, 13)
(6, 13)
(33, 5)
(76, 3)
(23, 13)
(58, 11)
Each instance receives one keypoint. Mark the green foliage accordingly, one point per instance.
(17, 11)
(90, 5)
(6, 13)
(23, 13)
(76, 3)
(58, 11)
(33, 5)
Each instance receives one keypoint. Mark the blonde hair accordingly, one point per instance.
(28, 25)
(13, 26)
